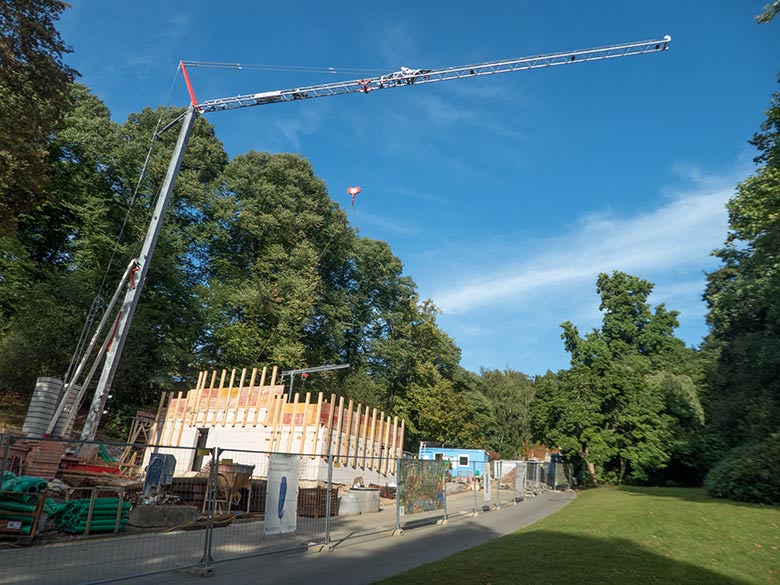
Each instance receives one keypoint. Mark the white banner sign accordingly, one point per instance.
(281, 497)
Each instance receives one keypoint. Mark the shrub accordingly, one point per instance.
(749, 473)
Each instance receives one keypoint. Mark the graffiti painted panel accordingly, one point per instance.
(421, 485)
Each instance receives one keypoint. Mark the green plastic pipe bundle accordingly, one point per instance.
(105, 455)
(51, 507)
(24, 484)
(72, 516)
(17, 517)
(16, 506)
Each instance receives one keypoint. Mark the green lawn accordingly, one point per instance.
(663, 536)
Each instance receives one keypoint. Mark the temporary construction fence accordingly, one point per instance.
(89, 527)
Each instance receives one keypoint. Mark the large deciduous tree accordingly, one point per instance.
(66, 248)
(744, 300)
(34, 83)
(509, 394)
(620, 407)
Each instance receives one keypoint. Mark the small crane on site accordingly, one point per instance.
(135, 274)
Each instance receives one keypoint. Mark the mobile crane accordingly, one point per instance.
(135, 274)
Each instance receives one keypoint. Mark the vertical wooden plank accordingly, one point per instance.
(270, 428)
(238, 396)
(386, 444)
(259, 394)
(356, 435)
(369, 443)
(339, 429)
(249, 396)
(380, 427)
(155, 433)
(180, 417)
(304, 423)
(329, 431)
(317, 415)
(200, 398)
(401, 439)
(364, 436)
(170, 413)
(209, 419)
(292, 424)
(227, 398)
(196, 405)
(348, 432)
(192, 395)
(394, 440)
(278, 419)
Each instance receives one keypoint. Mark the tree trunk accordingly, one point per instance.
(591, 466)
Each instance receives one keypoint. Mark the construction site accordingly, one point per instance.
(228, 470)
(237, 465)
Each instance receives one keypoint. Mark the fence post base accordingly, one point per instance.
(442, 522)
(198, 571)
(398, 532)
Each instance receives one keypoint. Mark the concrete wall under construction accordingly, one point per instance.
(249, 420)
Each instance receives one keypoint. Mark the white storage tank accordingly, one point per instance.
(42, 406)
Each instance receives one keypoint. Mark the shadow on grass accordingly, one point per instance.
(551, 557)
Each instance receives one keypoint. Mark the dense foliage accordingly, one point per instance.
(748, 473)
(744, 301)
(628, 405)
(34, 87)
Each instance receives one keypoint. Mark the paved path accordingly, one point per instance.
(365, 560)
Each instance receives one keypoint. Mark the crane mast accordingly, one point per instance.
(405, 77)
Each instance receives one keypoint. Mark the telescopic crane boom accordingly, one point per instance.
(420, 76)
(402, 78)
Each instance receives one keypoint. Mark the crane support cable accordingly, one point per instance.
(282, 68)
(421, 76)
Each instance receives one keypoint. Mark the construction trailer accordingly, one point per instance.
(248, 414)
(463, 462)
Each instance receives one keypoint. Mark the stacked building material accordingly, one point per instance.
(74, 517)
(23, 488)
(44, 458)
(20, 504)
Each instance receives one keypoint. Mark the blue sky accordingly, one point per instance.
(504, 196)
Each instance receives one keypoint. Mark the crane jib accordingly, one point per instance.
(408, 76)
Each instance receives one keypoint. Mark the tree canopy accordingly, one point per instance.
(627, 404)
(34, 83)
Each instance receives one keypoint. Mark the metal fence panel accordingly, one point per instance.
(84, 533)
(363, 505)
(268, 502)
(422, 497)
(190, 507)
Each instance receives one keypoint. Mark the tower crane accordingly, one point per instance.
(135, 275)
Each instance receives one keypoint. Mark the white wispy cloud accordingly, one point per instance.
(362, 217)
(680, 234)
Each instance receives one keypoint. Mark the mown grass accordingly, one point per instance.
(626, 535)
